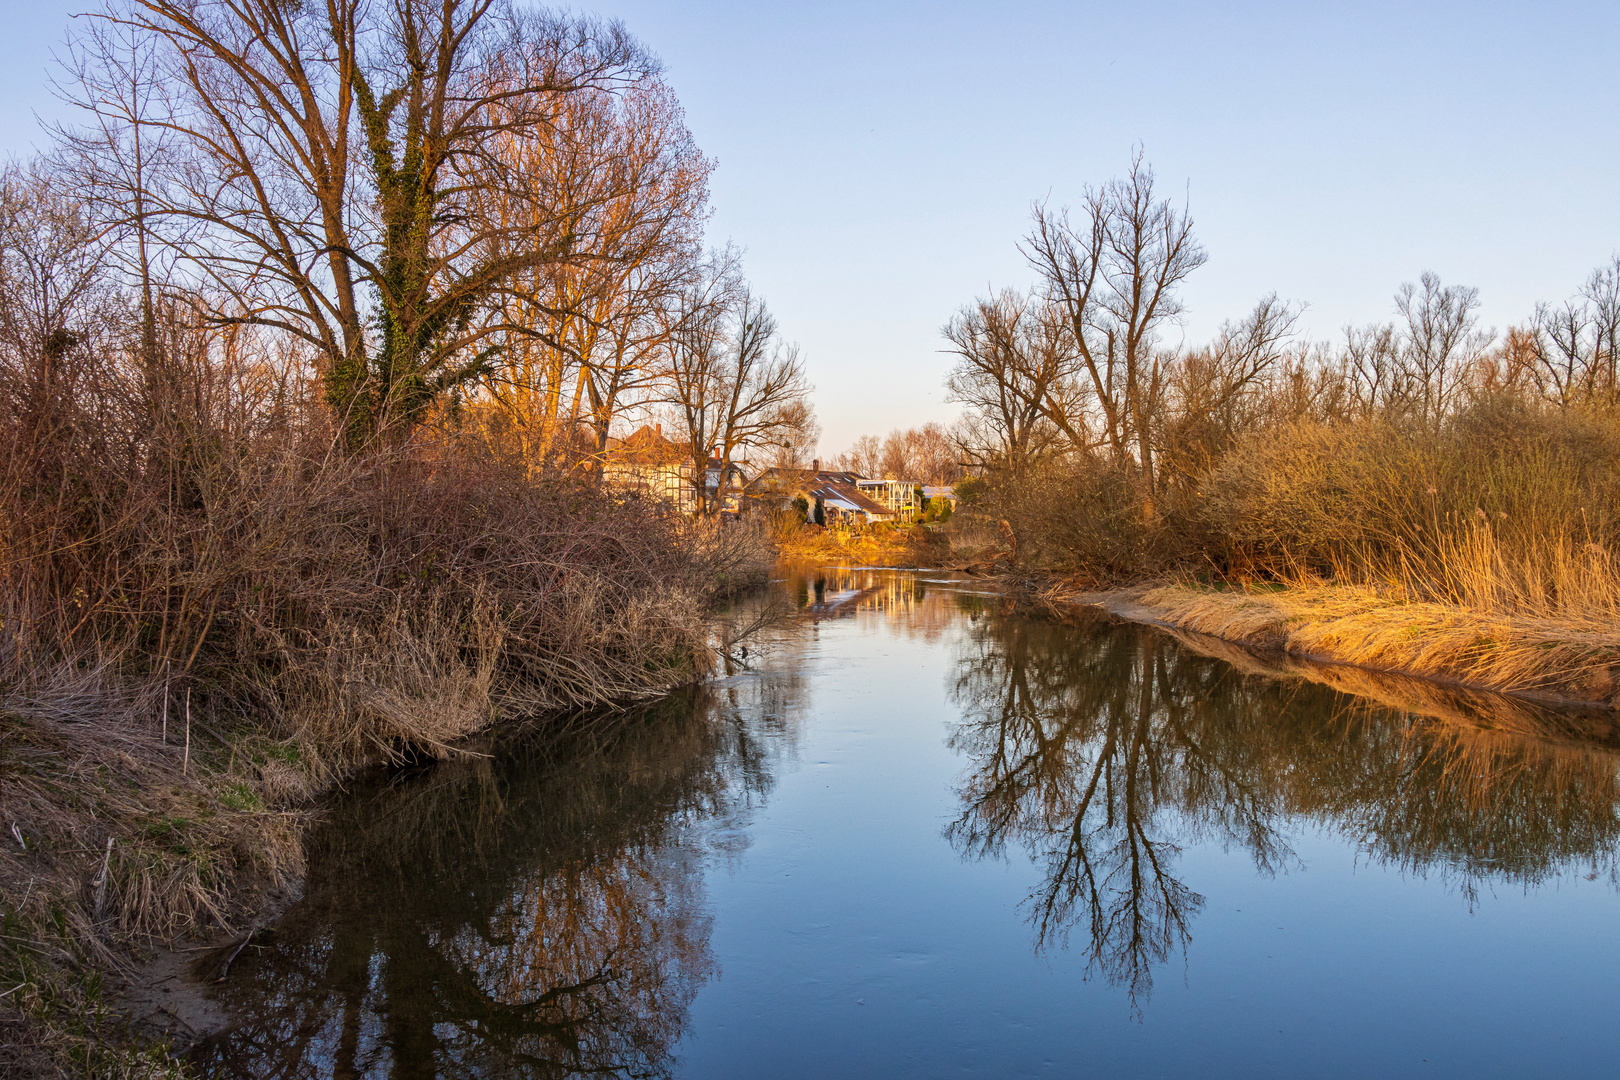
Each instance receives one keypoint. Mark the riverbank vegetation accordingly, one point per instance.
(875, 545)
(311, 341)
(1426, 494)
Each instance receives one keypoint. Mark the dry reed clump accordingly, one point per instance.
(1373, 497)
(1480, 548)
(1076, 515)
(736, 554)
(1477, 554)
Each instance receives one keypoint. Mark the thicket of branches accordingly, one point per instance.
(927, 454)
(477, 208)
(1424, 450)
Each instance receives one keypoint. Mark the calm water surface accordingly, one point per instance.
(924, 835)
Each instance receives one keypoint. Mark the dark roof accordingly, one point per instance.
(849, 493)
(818, 484)
(778, 479)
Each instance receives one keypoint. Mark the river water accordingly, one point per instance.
(918, 833)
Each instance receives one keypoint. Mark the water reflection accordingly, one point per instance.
(912, 604)
(539, 911)
(543, 911)
(1101, 750)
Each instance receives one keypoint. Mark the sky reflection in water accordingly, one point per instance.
(928, 835)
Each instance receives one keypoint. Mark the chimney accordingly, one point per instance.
(815, 465)
(658, 428)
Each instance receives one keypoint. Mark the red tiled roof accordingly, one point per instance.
(647, 446)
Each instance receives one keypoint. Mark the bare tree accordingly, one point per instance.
(1015, 373)
(1113, 271)
(732, 383)
(928, 454)
(796, 439)
(1216, 392)
(864, 457)
(53, 271)
(118, 162)
(332, 163)
(1439, 342)
(1573, 346)
(1372, 359)
(584, 335)
(895, 461)
(58, 318)
(934, 454)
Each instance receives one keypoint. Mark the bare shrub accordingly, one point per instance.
(1076, 515)
(1390, 500)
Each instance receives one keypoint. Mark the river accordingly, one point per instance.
(920, 833)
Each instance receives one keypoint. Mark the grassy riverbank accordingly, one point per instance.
(210, 618)
(1549, 658)
(875, 545)
(1478, 549)
(146, 803)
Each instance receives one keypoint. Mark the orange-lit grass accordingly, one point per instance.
(1544, 623)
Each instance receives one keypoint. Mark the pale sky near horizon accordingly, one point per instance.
(878, 160)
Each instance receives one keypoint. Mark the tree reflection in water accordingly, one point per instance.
(536, 912)
(1102, 749)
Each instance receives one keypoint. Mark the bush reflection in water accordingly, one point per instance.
(536, 912)
(1101, 750)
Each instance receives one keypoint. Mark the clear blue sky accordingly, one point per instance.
(877, 160)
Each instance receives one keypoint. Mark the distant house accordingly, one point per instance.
(840, 495)
(647, 462)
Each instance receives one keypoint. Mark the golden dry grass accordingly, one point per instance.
(1526, 616)
(879, 545)
(1560, 656)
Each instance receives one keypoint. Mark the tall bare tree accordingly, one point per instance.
(1113, 269)
(732, 383)
(1439, 343)
(1574, 345)
(332, 164)
(584, 335)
